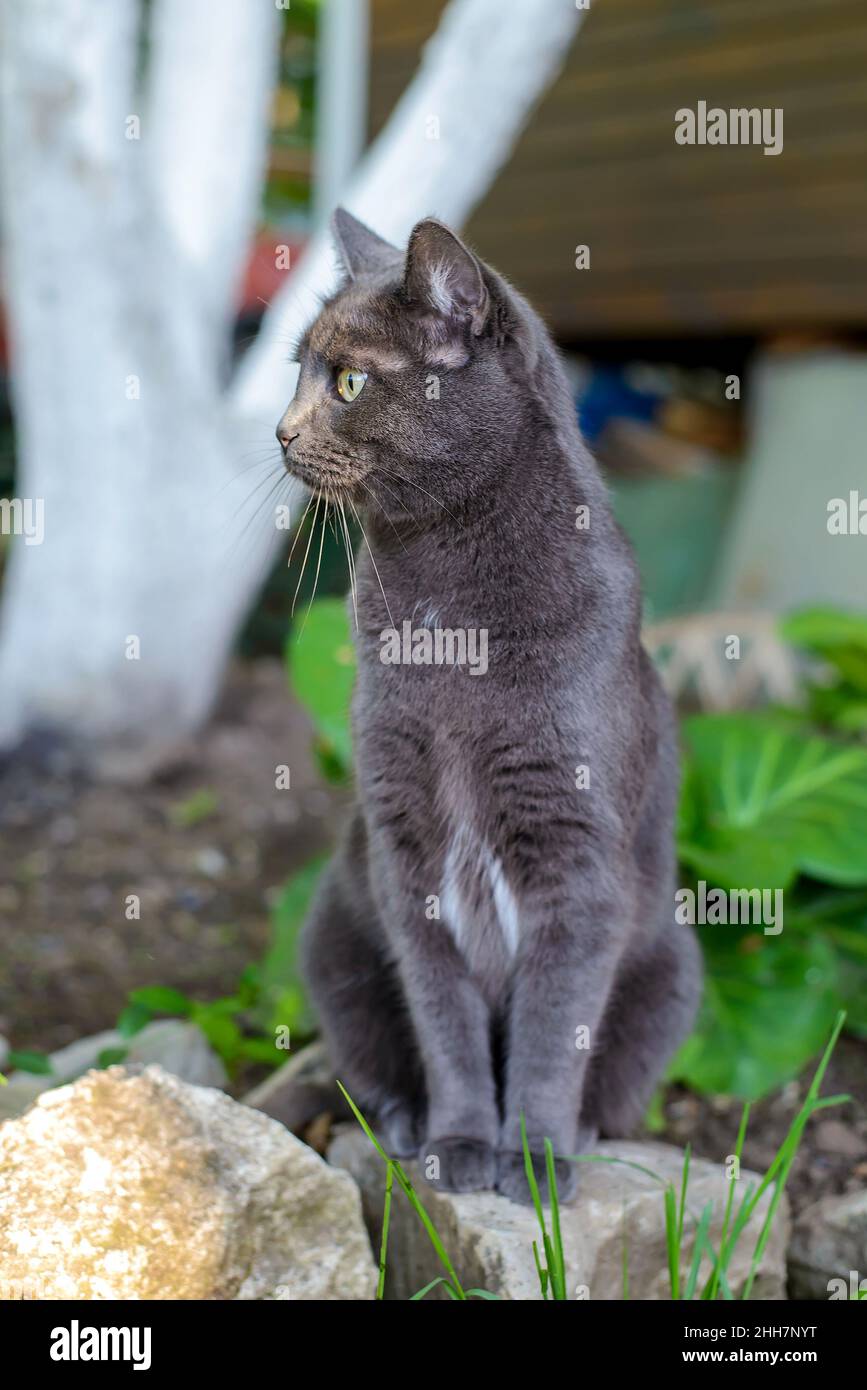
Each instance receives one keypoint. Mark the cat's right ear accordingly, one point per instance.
(360, 249)
(444, 276)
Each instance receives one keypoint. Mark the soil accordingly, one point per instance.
(206, 846)
(72, 850)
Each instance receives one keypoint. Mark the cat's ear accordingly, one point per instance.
(444, 276)
(360, 249)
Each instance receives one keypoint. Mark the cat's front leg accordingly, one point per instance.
(573, 932)
(452, 1023)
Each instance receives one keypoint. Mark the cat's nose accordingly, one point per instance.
(285, 437)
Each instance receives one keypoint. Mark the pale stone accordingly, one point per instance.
(829, 1243)
(140, 1186)
(178, 1046)
(490, 1239)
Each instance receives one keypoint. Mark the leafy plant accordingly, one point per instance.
(37, 1063)
(766, 806)
(395, 1172)
(839, 640)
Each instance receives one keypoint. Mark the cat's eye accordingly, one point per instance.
(350, 383)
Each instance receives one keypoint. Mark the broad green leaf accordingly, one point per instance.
(763, 804)
(841, 920)
(35, 1062)
(321, 661)
(161, 1000)
(133, 1018)
(839, 637)
(768, 1007)
(222, 1032)
(112, 1056)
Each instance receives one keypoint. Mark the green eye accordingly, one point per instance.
(350, 383)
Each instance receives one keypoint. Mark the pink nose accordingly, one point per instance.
(285, 437)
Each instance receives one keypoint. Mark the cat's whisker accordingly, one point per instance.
(298, 530)
(372, 561)
(393, 474)
(350, 561)
(318, 564)
(306, 552)
(258, 510)
(370, 492)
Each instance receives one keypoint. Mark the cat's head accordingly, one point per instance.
(414, 378)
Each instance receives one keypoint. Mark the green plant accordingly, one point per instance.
(552, 1274)
(765, 806)
(394, 1172)
(839, 640)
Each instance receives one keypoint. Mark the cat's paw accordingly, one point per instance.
(459, 1165)
(399, 1129)
(512, 1178)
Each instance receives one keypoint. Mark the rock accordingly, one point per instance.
(301, 1089)
(177, 1046)
(490, 1239)
(140, 1186)
(829, 1242)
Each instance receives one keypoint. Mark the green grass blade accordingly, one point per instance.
(624, 1262)
(440, 1279)
(698, 1249)
(558, 1270)
(621, 1162)
(541, 1271)
(453, 1282)
(684, 1182)
(531, 1176)
(386, 1219)
(712, 1289)
(672, 1244)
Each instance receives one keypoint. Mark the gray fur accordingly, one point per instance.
(556, 904)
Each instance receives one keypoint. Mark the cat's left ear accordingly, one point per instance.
(443, 275)
(361, 250)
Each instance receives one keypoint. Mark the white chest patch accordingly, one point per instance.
(475, 896)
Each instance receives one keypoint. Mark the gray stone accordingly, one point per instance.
(490, 1239)
(829, 1243)
(140, 1186)
(297, 1092)
(177, 1046)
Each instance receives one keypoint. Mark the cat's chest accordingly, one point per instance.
(478, 905)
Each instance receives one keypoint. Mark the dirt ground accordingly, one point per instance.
(206, 847)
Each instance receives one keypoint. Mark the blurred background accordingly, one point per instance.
(158, 850)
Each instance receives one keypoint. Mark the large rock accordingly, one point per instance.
(829, 1243)
(177, 1046)
(490, 1239)
(136, 1186)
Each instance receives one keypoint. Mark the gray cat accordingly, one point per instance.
(496, 936)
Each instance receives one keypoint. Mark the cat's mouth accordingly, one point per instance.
(315, 475)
